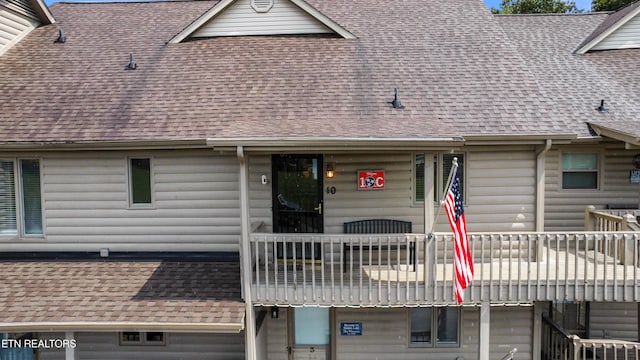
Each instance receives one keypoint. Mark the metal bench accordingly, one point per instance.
(377, 226)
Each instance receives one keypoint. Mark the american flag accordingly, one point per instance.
(463, 263)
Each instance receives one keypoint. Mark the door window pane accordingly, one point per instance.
(420, 325)
(140, 181)
(447, 325)
(8, 225)
(434, 326)
(311, 326)
(31, 199)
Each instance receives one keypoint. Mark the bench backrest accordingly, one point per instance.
(377, 226)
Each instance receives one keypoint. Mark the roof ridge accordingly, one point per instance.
(556, 14)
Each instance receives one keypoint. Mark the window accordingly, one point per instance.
(23, 216)
(442, 164)
(579, 171)
(141, 338)
(140, 181)
(434, 326)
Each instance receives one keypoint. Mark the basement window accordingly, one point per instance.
(142, 338)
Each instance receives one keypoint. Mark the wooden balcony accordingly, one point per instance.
(557, 344)
(611, 219)
(296, 269)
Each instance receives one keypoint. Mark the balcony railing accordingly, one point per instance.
(379, 269)
(558, 345)
(611, 219)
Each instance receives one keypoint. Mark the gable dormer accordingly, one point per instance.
(261, 17)
(621, 30)
(18, 18)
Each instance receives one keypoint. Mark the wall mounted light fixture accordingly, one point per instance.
(331, 170)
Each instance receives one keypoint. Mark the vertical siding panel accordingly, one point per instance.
(385, 336)
(613, 320)
(511, 327)
(347, 204)
(506, 175)
(240, 19)
(626, 37)
(394, 202)
(185, 346)
(277, 336)
(259, 194)
(195, 200)
(13, 27)
(564, 209)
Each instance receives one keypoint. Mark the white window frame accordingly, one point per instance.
(434, 329)
(151, 204)
(143, 339)
(19, 199)
(599, 169)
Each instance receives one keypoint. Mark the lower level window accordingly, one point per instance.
(434, 326)
(141, 338)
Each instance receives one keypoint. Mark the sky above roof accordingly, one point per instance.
(581, 4)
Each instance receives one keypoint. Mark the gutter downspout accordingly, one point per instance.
(245, 258)
(540, 200)
(540, 185)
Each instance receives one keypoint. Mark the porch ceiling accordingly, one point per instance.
(121, 295)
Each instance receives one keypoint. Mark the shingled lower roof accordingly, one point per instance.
(121, 295)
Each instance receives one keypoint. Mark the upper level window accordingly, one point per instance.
(140, 181)
(434, 326)
(442, 164)
(579, 171)
(20, 198)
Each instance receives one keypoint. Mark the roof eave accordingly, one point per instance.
(43, 12)
(619, 135)
(334, 143)
(102, 145)
(230, 327)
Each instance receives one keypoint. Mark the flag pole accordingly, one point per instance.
(454, 169)
(430, 265)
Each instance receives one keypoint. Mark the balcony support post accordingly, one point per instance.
(537, 331)
(70, 351)
(484, 346)
(245, 258)
(540, 184)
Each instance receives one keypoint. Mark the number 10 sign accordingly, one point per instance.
(371, 180)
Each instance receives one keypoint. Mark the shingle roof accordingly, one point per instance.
(111, 294)
(578, 83)
(456, 72)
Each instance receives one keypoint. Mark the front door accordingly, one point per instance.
(297, 193)
(309, 333)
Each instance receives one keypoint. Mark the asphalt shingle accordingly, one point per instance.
(456, 71)
(103, 292)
